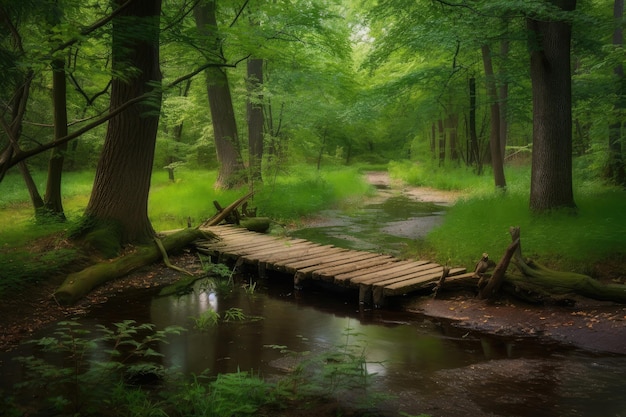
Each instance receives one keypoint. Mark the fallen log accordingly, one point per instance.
(78, 284)
(546, 282)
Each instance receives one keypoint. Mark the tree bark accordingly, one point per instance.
(551, 174)
(255, 118)
(617, 172)
(122, 181)
(231, 170)
(494, 135)
(78, 284)
(473, 151)
(53, 201)
(503, 97)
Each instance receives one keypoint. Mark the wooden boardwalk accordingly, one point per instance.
(375, 275)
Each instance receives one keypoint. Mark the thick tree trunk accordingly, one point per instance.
(551, 176)
(231, 170)
(78, 284)
(122, 182)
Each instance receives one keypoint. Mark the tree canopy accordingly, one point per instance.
(459, 82)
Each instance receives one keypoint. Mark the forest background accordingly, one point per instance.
(147, 111)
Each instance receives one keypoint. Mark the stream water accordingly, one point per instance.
(424, 366)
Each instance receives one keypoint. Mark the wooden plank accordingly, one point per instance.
(329, 274)
(306, 261)
(391, 273)
(252, 246)
(286, 254)
(372, 272)
(292, 265)
(401, 279)
(351, 256)
(412, 284)
(262, 252)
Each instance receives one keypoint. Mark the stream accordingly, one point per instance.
(419, 364)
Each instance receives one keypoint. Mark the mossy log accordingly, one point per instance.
(544, 281)
(78, 284)
(256, 224)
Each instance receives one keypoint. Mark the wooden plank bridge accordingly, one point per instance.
(376, 276)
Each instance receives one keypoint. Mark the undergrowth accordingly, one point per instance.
(117, 370)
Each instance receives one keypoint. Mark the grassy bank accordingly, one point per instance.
(286, 198)
(480, 222)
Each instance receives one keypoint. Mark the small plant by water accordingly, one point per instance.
(115, 371)
(81, 367)
(210, 318)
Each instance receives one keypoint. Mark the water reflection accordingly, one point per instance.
(428, 367)
(384, 226)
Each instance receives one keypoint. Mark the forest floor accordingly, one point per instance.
(587, 324)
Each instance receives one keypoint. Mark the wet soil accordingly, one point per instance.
(588, 324)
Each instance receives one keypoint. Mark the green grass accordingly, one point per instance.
(288, 197)
(306, 191)
(480, 222)
(476, 224)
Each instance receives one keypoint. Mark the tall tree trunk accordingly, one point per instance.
(231, 169)
(494, 135)
(33, 192)
(503, 97)
(617, 172)
(442, 142)
(177, 135)
(550, 71)
(473, 154)
(453, 125)
(122, 182)
(53, 202)
(255, 117)
(433, 141)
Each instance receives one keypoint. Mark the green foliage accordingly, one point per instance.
(210, 318)
(81, 368)
(332, 374)
(189, 197)
(207, 319)
(480, 222)
(233, 394)
(27, 265)
(309, 191)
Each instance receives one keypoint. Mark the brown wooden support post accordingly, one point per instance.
(365, 294)
(297, 280)
(378, 296)
(262, 268)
